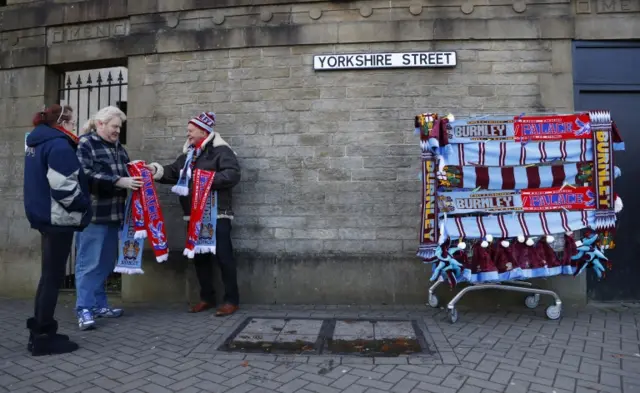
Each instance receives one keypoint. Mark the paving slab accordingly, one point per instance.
(302, 326)
(390, 330)
(353, 330)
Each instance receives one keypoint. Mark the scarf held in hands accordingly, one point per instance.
(143, 218)
(201, 233)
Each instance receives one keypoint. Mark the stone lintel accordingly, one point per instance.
(618, 27)
(43, 14)
(117, 39)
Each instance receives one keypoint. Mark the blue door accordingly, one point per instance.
(606, 76)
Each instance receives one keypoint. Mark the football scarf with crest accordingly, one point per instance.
(201, 233)
(143, 219)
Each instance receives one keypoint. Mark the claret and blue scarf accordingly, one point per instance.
(509, 186)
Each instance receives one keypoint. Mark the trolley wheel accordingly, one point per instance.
(433, 300)
(532, 301)
(553, 312)
(453, 315)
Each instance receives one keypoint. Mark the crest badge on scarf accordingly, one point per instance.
(143, 219)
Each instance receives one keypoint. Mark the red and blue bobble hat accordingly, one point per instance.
(204, 121)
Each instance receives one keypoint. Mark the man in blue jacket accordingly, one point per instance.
(57, 204)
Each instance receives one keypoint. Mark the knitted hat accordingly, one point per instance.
(204, 121)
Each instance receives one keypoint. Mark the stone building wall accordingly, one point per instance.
(330, 160)
(328, 208)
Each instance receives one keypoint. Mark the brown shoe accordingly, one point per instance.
(200, 307)
(226, 309)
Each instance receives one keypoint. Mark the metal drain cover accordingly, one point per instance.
(309, 336)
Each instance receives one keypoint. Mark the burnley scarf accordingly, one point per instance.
(515, 178)
(201, 233)
(514, 154)
(143, 219)
(525, 224)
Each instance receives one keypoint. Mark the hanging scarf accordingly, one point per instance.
(527, 224)
(527, 200)
(129, 247)
(143, 218)
(201, 236)
(515, 178)
(182, 186)
(513, 153)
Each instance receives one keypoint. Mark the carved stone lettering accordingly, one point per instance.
(583, 6)
(58, 36)
(613, 6)
(87, 31)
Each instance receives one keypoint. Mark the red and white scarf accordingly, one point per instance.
(146, 211)
(202, 223)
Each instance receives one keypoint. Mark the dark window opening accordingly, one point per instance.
(122, 105)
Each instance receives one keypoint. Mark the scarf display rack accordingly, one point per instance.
(508, 198)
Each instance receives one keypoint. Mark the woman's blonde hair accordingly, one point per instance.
(104, 115)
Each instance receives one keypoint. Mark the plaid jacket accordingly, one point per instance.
(104, 163)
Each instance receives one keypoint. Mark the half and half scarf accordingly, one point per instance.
(143, 219)
(201, 232)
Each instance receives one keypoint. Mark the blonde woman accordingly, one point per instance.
(104, 161)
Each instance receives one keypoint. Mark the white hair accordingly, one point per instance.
(104, 115)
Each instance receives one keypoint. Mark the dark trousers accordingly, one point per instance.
(56, 247)
(224, 258)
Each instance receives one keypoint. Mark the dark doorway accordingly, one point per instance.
(606, 77)
(87, 91)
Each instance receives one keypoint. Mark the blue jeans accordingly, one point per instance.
(97, 251)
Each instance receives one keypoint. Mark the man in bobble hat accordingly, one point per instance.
(206, 150)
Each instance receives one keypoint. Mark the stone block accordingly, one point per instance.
(22, 82)
(22, 111)
(166, 282)
(143, 102)
(561, 56)
(556, 90)
(19, 270)
(358, 32)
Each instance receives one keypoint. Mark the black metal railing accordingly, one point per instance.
(91, 94)
(86, 93)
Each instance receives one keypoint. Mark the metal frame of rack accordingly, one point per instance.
(553, 312)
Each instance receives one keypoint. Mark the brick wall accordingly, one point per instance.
(330, 161)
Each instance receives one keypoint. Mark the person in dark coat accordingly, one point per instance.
(210, 152)
(57, 204)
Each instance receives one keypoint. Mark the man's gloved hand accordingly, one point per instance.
(130, 183)
(156, 170)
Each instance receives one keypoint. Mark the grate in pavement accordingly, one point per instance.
(328, 336)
